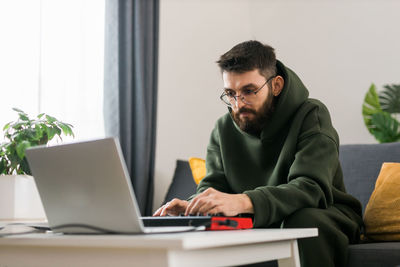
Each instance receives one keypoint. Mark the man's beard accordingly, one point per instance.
(255, 126)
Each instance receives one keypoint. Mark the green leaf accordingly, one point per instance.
(50, 119)
(385, 128)
(44, 136)
(18, 110)
(21, 147)
(51, 132)
(23, 117)
(66, 128)
(18, 126)
(371, 100)
(3, 165)
(40, 115)
(370, 106)
(58, 130)
(389, 98)
(30, 134)
(7, 126)
(69, 126)
(24, 166)
(38, 132)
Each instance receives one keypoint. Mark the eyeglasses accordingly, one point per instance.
(247, 96)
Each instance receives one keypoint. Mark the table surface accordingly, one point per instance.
(196, 249)
(183, 241)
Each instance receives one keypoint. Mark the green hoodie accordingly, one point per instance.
(292, 165)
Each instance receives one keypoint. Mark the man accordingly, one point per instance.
(275, 154)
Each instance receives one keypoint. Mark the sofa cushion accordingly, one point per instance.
(198, 167)
(382, 254)
(361, 165)
(382, 214)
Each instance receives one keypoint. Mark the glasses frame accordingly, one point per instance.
(255, 91)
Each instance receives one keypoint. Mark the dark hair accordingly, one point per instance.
(248, 56)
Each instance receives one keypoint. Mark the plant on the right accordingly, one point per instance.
(380, 112)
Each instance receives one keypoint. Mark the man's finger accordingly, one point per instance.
(164, 209)
(167, 207)
(195, 200)
(197, 205)
(190, 205)
(207, 208)
(215, 210)
(190, 208)
(174, 207)
(158, 211)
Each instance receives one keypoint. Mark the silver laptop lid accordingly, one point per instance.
(85, 183)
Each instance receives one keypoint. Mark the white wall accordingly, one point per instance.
(337, 47)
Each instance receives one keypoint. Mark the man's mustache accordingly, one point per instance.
(247, 110)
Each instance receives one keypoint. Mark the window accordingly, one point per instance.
(52, 54)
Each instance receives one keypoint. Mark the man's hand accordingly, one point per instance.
(212, 201)
(173, 208)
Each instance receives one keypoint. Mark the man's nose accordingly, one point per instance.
(239, 102)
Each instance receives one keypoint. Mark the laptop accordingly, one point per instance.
(85, 188)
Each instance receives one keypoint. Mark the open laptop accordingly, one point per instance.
(85, 188)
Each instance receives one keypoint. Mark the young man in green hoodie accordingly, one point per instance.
(275, 155)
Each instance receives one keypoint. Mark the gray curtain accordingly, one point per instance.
(130, 88)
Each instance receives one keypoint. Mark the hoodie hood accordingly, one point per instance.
(293, 95)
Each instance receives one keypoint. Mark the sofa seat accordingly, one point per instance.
(382, 254)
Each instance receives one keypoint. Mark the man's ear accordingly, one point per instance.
(277, 85)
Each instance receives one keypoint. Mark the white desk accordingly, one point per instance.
(210, 248)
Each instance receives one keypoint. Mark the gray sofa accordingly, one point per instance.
(361, 165)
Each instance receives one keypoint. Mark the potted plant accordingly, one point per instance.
(380, 112)
(19, 198)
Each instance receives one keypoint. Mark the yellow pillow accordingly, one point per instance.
(198, 167)
(382, 214)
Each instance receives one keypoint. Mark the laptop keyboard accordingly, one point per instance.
(176, 221)
(242, 221)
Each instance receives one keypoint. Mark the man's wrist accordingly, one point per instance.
(247, 204)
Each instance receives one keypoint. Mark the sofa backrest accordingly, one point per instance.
(361, 165)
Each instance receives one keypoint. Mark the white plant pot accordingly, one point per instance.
(19, 199)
